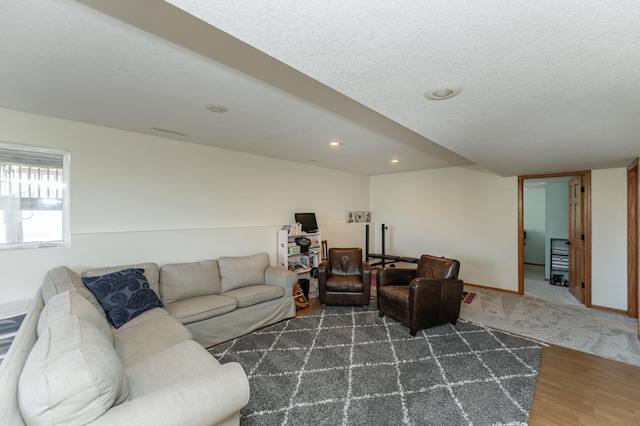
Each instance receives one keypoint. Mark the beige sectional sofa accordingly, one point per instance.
(70, 365)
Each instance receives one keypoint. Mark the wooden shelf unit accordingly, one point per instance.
(301, 263)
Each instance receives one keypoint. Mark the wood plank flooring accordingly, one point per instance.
(576, 388)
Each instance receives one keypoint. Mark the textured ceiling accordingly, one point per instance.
(547, 86)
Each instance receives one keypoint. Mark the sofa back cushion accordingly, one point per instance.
(72, 375)
(180, 281)
(151, 272)
(72, 303)
(60, 279)
(241, 271)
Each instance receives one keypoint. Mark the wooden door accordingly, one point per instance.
(576, 240)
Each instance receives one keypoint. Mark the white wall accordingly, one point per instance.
(138, 198)
(465, 213)
(143, 198)
(471, 215)
(534, 224)
(609, 238)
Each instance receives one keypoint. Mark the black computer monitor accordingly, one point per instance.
(308, 221)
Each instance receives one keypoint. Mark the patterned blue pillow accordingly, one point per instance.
(123, 295)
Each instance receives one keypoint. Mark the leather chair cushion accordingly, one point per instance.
(397, 295)
(344, 284)
(345, 261)
(437, 267)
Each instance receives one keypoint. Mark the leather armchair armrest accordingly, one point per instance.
(421, 289)
(395, 276)
(434, 301)
(365, 272)
(447, 289)
(324, 271)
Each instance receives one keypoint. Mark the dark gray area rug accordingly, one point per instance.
(345, 366)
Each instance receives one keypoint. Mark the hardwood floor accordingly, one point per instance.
(576, 388)
(314, 305)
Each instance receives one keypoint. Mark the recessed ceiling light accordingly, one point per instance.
(216, 108)
(334, 143)
(394, 161)
(442, 91)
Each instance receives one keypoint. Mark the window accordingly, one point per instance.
(34, 197)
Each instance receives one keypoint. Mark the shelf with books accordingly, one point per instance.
(292, 256)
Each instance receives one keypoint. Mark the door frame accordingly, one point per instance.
(586, 209)
(633, 257)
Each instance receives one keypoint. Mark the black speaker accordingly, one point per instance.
(304, 244)
(304, 283)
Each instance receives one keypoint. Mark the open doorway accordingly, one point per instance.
(546, 239)
(565, 222)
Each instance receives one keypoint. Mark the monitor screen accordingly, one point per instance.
(308, 221)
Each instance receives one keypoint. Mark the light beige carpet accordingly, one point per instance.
(606, 334)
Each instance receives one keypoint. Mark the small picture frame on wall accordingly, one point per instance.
(349, 217)
(359, 216)
(367, 216)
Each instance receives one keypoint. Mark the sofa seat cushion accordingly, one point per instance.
(180, 281)
(72, 375)
(123, 294)
(242, 271)
(252, 295)
(177, 363)
(143, 339)
(146, 316)
(200, 308)
(71, 303)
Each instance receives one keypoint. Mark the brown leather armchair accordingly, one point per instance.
(423, 297)
(344, 279)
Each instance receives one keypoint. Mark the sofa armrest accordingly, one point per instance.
(211, 398)
(395, 276)
(282, 277)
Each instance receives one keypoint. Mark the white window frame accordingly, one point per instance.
(10, 150)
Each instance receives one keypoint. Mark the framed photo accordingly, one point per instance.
(367, 216)
(349, 217)
(359, 216)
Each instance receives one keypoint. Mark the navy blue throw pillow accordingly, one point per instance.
(123, 294)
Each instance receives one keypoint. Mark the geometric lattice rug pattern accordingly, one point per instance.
(346, 366)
